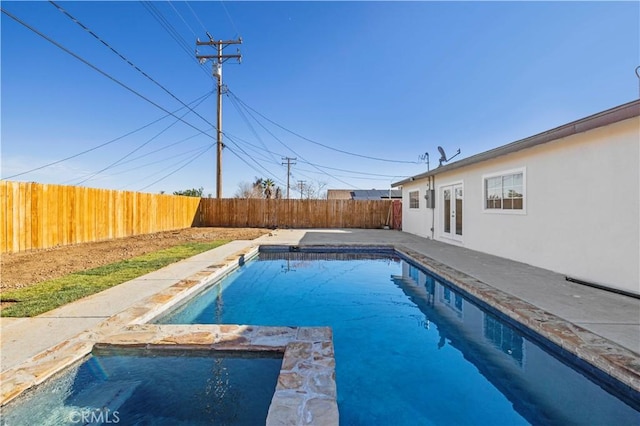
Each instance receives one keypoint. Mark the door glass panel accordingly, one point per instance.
(447, 211)
(458, 192)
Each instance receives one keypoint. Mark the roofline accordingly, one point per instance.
(604, 118)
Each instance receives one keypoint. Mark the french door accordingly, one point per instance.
(451, 213)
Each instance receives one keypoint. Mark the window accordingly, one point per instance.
(504, 338)
(414, 273)
(414, 199)
(452, 300)
(504, 191)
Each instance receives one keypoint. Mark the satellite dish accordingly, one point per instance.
(443, 156)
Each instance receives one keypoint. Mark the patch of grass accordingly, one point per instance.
(48, 295)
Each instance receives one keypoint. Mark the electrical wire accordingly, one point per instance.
(182, 18)
(253, 130)
(162, 160)
(110, 77)
(292, 150)
(318, 143)
(125, 59)
(264, 158)
(137, 148)
(348, 177)
(170, 29)
(103, 144)
(159, 149)
(348, 171)
(179, 168)
(307, 162)
(249, 164)
(230, 19)
(268, 172)
(196, 16)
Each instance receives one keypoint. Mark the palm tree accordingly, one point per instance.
(267, 185)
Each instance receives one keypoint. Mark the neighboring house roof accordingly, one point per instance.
(362, 194)
(338, 194)
(604, 118)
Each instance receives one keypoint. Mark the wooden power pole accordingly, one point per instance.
(288, 163)
(218, 59)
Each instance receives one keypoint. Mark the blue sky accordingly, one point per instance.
(388, 80)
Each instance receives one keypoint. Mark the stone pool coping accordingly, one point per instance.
(306, 387)
(602, 354)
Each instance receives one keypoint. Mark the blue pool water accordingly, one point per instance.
(409, 349)
(161, 388)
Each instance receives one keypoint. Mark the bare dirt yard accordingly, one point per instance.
(18, 270)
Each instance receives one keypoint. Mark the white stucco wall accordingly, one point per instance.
(582, 207)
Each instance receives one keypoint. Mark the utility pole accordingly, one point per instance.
(289, 163)
(218, 59)
(425, 157)
(301, 183)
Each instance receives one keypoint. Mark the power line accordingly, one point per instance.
(172, 157)
(125, 59)
(197, 17)
(230, 19)
(159, 149)
(262, 157)
(349, 171)
(318, 143)
(301, 157)
(102, 144)
(317, 166)
(262, 148)
(81, 59)
(170, 29)
(178, 169)
(182, 18)
(349, 177)
(268, 172)
(292, 150)
(250, 126)
(138, 148)
(250, 165)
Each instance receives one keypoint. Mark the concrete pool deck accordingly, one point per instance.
(541, 299)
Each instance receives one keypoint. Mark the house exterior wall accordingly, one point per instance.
(582, 207)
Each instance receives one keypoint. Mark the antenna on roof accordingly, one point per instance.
(638, 75)
(425, 157)
(443, 156)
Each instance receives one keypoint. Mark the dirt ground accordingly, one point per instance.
(18, 270)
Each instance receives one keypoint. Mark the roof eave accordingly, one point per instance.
(604, 118)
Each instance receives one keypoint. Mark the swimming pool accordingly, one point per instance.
(409, 348)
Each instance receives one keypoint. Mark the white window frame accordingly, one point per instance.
(417, 192)
(522, 211)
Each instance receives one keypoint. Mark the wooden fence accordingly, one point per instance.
(36, 216)
(260, 213)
